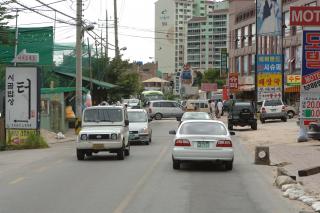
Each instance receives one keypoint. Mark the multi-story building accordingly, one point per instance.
(207, 36)
(242, 44)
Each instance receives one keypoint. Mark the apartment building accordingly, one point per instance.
(207, 36)
(242, 44)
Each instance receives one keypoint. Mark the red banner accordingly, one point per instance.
(304, 16)
(209, 87)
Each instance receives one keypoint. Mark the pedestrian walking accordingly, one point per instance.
(212, 106)
(219, 108)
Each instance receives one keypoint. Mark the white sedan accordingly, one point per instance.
(202, 140)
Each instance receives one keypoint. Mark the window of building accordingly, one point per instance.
(237, 65)
(245, 36)
(286, 58)
(252, 63)
(245, 65)
(286, 27)
(298, 57)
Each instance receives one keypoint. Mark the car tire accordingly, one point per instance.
(230, 126)
(262, 120)
(284, 119)
(127, 150)
(254, 126)
(175, 164)
(290, 114)
(228, 165)
(120, 154)
(147, 142)
(158, 116)
(80, 154)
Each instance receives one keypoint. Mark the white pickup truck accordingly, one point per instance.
(104, 128)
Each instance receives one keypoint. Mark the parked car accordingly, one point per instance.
(202, 140)
(164, 109)
(197, 105)
(291, 111)
(194, 116)
(104, 128)
(242, 114)
(139, 129)
(314, 131)
(131, 103)
(272, 109)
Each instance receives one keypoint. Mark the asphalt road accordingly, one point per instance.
(53, 181)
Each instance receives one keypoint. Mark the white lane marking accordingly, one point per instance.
(142, 181)
(17, 180)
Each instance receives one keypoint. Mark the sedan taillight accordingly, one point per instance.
(182, 142)
(224, 143)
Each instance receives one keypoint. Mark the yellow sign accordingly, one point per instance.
(269, 80)
(18, 136)
(293, 80)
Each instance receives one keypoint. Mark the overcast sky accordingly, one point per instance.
(136, 23)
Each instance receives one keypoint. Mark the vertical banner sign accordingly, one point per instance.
(269, 17)
(310, 74)
(269, 77)
(224, 59)
(22, 98)
(233, 81)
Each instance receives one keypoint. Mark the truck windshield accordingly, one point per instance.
(103, 115)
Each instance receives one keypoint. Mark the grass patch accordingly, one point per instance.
(33, 141)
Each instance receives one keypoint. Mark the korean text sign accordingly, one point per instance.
(310, 73)
(22, 98)
(233, 81)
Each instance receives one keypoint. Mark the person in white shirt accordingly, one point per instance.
(212, 108)
(219, 107)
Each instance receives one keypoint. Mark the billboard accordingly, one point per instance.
(186, 81)
(22, 98)
(269, 17)
(209, 87)
(269, 77)
(233, 81)
(293, 80)
(310, 75)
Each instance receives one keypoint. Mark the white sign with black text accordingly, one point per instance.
(22, 97)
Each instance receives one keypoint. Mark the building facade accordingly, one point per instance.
(242, 45)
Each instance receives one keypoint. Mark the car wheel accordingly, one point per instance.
(230, 126)
(175, 164)
(120, 154)
(284, 119)
(254, 126)
(228, 165)
(80, 154)
(127, 150)
(158, 116)
(262, 120)
(290, 114)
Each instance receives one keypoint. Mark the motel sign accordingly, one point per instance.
(304, 16)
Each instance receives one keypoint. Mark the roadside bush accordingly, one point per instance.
(33, 141)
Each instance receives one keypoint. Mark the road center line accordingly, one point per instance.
(126, 201)
(19, 179)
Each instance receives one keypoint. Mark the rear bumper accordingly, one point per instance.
(238, 122)
(139, 138)
(273, 115)
(186, 154)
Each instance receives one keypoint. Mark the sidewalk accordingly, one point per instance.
(51, 137)
(281, 137)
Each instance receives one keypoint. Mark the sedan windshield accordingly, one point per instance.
(103, 115)
(136, 117)
(203, 128)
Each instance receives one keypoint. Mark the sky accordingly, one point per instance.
(136, 23)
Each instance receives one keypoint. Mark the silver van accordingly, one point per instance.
(164, 109)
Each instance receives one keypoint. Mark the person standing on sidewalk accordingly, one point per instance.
(212, 107)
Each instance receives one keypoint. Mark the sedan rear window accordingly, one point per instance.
(272, 103)
(203, 128)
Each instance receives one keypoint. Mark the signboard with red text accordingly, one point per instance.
(304, 16)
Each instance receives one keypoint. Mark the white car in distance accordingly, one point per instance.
(202, 140)
(104, 128)
(139, 129)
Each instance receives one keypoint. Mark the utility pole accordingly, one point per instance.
(16, 38)
(79, 60)
(90, 69)
(106, 50)
(117, 54)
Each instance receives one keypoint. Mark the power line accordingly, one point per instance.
(47, 5)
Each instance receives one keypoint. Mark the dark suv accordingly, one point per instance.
(242, 114)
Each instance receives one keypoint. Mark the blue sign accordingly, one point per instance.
(311, 52)
(269, 63)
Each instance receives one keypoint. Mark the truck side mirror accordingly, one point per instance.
(126, 122)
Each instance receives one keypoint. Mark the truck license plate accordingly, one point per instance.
(97, 146)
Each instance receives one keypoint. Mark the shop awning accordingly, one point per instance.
(60, 90)
(94, 81)
(293, 89)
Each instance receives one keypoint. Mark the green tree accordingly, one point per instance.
(4, 16)
(213, 76)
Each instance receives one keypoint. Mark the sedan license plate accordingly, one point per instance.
(203, 144)
(98, 146)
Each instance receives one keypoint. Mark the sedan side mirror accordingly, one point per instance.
(232, 133)
(172, 132)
